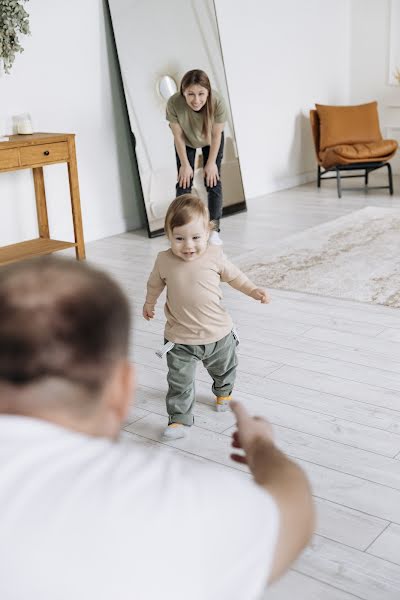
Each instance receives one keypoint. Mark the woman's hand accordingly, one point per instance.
(185, 176)
(211, 174)
(148, 311)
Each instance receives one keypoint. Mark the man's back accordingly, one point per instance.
(85, 517)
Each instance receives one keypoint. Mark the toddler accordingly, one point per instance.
(198, 327)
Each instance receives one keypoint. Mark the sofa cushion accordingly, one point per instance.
(348, 124)
(343, 154)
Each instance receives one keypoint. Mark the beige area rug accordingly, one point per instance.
(356, 257)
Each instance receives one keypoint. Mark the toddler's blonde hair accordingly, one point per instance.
(184, 209)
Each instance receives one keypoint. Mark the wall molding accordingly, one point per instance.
(394, 41)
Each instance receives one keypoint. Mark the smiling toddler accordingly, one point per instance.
(198, 327)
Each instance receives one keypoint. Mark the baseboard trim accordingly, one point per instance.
(285, 183)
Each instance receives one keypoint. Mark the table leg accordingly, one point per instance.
(41, 206)
(75, 200)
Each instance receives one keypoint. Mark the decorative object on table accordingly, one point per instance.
(354, 257)
(348, 138)
(3, 130)
(14, 21)
(23, 124)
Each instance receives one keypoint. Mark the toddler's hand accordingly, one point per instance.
(261, 295)
(148, 311)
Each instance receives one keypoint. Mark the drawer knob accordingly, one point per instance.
(46, 152)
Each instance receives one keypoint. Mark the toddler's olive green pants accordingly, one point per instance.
(219, 358)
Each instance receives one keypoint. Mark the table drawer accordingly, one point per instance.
(9, 158)
(33, 155)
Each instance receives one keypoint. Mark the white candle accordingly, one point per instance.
(25, 126)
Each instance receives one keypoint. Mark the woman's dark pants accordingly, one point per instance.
(214, 193)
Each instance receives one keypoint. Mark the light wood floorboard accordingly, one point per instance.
(325, 371)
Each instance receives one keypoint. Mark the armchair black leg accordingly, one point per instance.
(390, 178)
(366, 167)
(339, 183)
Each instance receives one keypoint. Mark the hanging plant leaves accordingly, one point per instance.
(14, 21)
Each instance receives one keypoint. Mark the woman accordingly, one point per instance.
(197, 116)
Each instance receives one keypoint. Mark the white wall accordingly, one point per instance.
(281, 58)
(68, 80)
(369, 67)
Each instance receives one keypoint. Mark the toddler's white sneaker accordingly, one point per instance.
(174, 431)
(222, 403)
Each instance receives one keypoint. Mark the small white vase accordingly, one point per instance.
(24, 124)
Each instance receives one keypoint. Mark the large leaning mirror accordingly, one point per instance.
(157, 43)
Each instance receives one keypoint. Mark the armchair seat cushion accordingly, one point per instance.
(343, 154)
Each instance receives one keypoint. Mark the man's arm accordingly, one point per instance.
(283, 479)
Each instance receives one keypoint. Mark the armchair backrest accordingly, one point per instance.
(335, 125)
(314, 120)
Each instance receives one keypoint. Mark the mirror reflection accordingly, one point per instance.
(178, 104)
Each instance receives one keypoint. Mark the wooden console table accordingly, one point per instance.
(33, 152)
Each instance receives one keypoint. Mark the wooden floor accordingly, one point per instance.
(325, 372)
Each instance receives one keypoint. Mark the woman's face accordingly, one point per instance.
(196, 96)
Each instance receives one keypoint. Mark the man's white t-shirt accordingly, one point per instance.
(92, 519)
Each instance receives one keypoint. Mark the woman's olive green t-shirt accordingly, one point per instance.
(191, 122)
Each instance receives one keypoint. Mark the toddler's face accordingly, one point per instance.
(189, 241)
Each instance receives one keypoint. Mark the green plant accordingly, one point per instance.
(14, 20)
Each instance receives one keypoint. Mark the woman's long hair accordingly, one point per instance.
(198, 77)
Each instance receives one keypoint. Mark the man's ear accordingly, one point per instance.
(128, 381)
(121, 389)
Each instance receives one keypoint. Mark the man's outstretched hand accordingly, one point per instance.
(249, 433)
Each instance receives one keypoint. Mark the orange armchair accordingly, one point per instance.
(348, 138)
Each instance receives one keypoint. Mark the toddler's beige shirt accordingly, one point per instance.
(193, 305)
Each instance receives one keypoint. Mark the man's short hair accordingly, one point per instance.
(60, 318)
